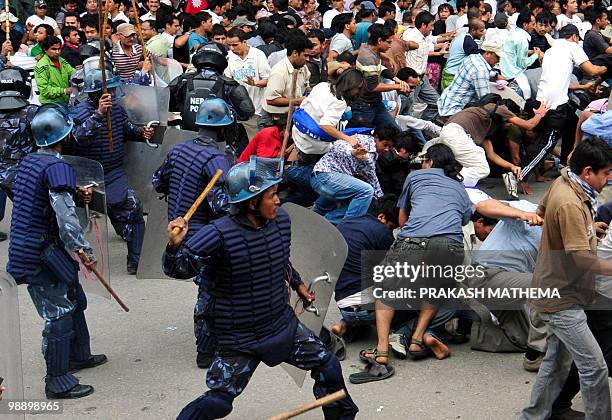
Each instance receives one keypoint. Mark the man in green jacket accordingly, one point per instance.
(52, 73)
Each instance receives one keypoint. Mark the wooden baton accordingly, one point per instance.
(105, 283)
(197, 203)
(102, 21)
(293, 88)
(139, 29)
(328, 399)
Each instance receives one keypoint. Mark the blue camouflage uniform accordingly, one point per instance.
(250, 315)
(182, 177)
(43, 227)
(124, 208)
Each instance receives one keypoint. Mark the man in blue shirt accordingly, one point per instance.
(462, 46)
(198, 37)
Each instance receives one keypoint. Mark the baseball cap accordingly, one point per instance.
(493, 45)
(126, 29)
(11, 17)
(242, 21)
(40, 3)
(367, 5)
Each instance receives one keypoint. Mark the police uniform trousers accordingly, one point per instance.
(231, 371)
(61, 304)
(205, 342)
(125, 212)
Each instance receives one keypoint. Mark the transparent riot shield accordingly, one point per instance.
(156, 234)
(165, 70)
(10, 343)
(144, 104)
(89, 173)
(507, 93)
(319, 266)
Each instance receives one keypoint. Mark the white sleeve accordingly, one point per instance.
(263, 67)
(578, 55)
(333, 112)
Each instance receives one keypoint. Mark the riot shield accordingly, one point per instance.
(318, 265)
(165, 70)
(89, 173)
(144, 104)
(156, 234)
(10, 342)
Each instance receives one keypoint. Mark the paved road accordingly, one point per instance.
(152, 373)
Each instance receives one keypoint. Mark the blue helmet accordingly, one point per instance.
(93, 81)
(51, 124)
(246, 180)
(214, 113)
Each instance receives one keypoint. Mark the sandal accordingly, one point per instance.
(421, 354)
(374, 352)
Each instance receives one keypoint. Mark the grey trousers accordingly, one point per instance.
(569, 338)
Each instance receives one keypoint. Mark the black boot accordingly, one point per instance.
(79, 391)
(204, 360)
(93, 361)
(132, 267)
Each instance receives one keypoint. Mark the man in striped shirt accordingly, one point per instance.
(472, 80)
(127, 54)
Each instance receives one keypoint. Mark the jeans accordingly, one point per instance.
(341, 195)
(569, 337)
(375, 114)
(358, 316)
(299, 176)
(2, 204)
(427, 94)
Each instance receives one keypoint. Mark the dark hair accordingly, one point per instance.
(511, 105)
(535, 4)
(487, 8)
(237, 33)
(151, 23)
(347, 57)
(473, 4)
(595, 153)
(66, 30)
(563, 5)
(474, 13)
(404, 73)
(218, 29)
(446, 6)
(362, 14)
(516, 4)
(405, 140)
(213, 4)
(488, 221)
(546, 18)
(91, 22)
(165, 20)
(593, 13)
(316, 33)
(386, 132)
(385, 8)
(267, 29)
(390, 24)
(524, 18)
(461, 4)
(48, 28)
(69, 2)
(201, 17)
(387, 206)
(71, 14)
(442, 157)
(567, 31)
(298, 44)
(281, 5)
(423, 18)
(340, 21)
(378, 32)
(50, 41)
(345, 83)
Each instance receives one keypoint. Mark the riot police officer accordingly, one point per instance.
(189, 90)
(44, 229)
(250, 317)
(15, 135)
(91, 133)
(186, 171)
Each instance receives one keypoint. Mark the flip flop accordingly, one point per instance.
(373, 372)
(420, 354)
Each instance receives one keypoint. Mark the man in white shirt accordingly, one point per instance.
(217, 8)
(249, 67)
(116, 14)
(153, 6)
(40, 16)
(568, 15)
(557, 67)
(417, 60)
(338, 7)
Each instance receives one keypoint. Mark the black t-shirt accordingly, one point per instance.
(594, 44)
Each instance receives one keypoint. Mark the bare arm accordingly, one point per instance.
(496, 209)
(497, 159)
(403, 217)
(593, 70)
(283, 101)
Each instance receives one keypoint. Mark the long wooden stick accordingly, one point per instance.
(106, 284)
(139, 29)
(102, 21)
(292, 89)
(197, 203)
(328, 399)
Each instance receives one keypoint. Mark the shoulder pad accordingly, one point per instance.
(228, 81)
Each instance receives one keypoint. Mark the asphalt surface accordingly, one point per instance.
(151, 373)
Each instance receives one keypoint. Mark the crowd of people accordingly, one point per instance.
(382, 117)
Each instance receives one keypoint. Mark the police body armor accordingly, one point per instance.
(16, 142)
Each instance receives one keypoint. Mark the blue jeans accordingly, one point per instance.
(569, 337)
(341, 195)
(358, 316)
(299, 175)
(375, 114)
